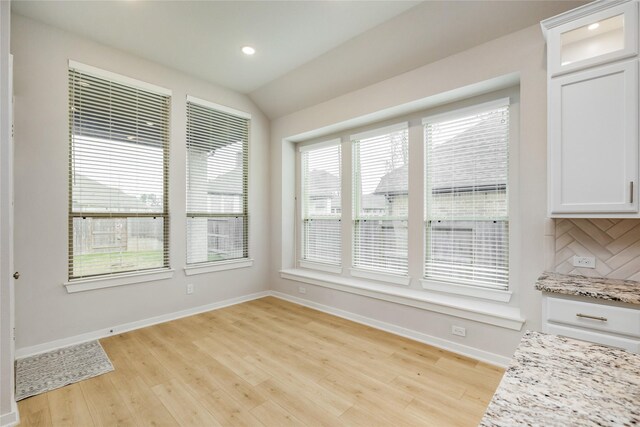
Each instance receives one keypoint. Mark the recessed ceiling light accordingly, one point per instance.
(149, 123)
(85, 84)
(593, 26)
(131, 138)
(248, 50)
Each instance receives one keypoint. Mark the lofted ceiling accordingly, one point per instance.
(307, 51)
(204, 38)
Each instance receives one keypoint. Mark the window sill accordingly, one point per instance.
(492, 313)
(381, 277)
(320, 266)
(190, 270)
(468, 291)
(79, 285)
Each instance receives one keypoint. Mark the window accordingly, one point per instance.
(217, 160)
(380, 197)
(322, 203)
(466, 206)
(118, 170)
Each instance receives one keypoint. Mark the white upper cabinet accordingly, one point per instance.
(593, 156)
(597, 38)
(593, 119)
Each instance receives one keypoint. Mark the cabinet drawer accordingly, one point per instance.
(600, 317)
(596, 337)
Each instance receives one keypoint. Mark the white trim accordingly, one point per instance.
(324, 144)
(218, 107)
(210, 267)
(79, 285)
(99, 72)
(12, 418)
(467, 290)
(320, 266)
(473, 109)
(379, 131)
(125, 327)
(7, 181)
(380, 277)
(487, 312)
(481, 355)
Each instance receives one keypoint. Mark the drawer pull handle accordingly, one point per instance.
(587, 316)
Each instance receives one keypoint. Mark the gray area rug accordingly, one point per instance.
(57, 368)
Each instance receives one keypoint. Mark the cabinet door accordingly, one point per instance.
(593, 140)
(597, 38)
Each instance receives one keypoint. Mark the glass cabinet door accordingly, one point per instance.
(598, 38)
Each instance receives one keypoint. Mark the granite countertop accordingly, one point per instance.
(627, 291)
(557, 381)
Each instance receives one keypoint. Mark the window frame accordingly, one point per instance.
(224, 264)
(467, 289)
(358, 270)
(102, 280)
(301, 218)
(387, 285)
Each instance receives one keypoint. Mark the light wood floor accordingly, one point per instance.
(269, 362)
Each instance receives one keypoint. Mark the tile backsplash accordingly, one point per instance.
(615, 243)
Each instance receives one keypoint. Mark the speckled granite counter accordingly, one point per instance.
(594, 287)
(557, 381)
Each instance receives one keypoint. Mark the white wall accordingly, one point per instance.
(523, 53)
(45, 311)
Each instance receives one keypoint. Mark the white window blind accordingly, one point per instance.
(380, 197)
(467, 220)
(118, 172)
(217, 160)
(322, 204)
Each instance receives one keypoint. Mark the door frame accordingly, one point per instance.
(8, 408)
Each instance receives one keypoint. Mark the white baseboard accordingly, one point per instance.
(481, 355)
(492, 358)
(12, 418)
(125, 327)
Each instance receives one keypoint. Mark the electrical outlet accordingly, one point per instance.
(189, 288)
(302, 290)
(584, 261)
(459, 330)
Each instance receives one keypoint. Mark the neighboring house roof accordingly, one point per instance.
(91, 195)
(395, 182)
(323, 184)
(229, 183)
(476, 171)
(472, 172)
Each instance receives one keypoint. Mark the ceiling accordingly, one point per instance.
(204, 38)
(307, 51)
(424, 34)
